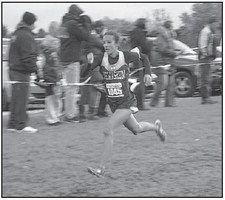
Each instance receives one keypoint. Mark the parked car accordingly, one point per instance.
(36, 95)
(188, 72)
(187, 77)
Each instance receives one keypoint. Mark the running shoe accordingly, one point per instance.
(72, 120)
(102, 114)
(11, 129)
(96, 171)
(28, 129)
(160, 132)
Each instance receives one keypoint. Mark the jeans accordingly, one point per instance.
(53, 106)
(71, 74)
(18, 118)
(140, 95)
(165, 81)
(205, 72)
(89, 95)
(102, 104)
(95, 96)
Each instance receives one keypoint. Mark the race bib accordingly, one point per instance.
(114, 89)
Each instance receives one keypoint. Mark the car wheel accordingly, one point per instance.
(5, 103)
(184, 84)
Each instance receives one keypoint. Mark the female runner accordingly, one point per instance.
(115, 70)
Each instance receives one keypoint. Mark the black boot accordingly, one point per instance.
(92, 114)
(82, 117)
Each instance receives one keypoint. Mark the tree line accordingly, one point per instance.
(187, 33)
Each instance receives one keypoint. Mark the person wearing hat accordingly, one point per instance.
(71, 36)
(207, 53)
(22, 62)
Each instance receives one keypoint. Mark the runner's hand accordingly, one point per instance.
(90, 58)
(147, 79)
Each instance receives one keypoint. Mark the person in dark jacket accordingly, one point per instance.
(138, 36)
(100, 30)
(71, 36)
(22, 62)
(138, 39)
(89, 93)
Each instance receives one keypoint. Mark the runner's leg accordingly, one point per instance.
(119, 117)
(139, 127)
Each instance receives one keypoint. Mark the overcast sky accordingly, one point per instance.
(47, 12)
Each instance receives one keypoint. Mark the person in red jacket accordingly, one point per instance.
(114, 66)
(22, 62)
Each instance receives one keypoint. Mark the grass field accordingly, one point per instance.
(53, 162)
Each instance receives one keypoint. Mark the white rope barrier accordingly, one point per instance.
(46, 83)
(166, 67)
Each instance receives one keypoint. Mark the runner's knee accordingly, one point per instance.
(108, 132)
(136, 129)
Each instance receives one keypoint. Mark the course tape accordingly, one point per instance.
(65, 84)
(166, 67)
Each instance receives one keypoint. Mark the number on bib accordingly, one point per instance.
(114, 89)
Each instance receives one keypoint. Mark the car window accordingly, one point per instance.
(178, 45)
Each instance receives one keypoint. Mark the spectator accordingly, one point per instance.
(72, 34)
(22, 62)
(165, 54)
(93, 46)
(51, 73)
(100, 30)
(207, 53)
(138, 38)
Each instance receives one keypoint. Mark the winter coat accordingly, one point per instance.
(23, 50)
(51, 68)
(72, 33)
(207, 43)
(93, 45)
(138, 39)
(164, 52)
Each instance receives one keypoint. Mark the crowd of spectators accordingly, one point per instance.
(67, 48)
